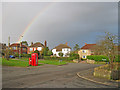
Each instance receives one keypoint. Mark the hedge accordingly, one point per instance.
(100, 57)
(97, 57)
(58, 58)
(23, 55)
(117, 58)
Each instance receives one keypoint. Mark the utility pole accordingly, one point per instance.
(8, 45)
(9, 41)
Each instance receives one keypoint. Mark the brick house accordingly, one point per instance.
(18, 48)
(86, 50)
(36, 46)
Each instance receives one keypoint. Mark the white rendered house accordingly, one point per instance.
(61, 48)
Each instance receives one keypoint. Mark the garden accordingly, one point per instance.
(109, 70)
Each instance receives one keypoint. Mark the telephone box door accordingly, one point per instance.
(34, 59)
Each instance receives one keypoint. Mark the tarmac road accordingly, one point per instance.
(48, 76)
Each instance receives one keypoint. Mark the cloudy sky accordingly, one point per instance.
(58, 22)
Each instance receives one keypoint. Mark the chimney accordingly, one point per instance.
(45, 43)
(85, 43)
(31, 43)
(20, 44)
(66, 43)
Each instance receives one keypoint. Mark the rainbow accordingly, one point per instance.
(33, 21)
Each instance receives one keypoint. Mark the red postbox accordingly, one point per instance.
(34, 59)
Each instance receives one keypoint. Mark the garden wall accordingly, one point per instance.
(104, 72)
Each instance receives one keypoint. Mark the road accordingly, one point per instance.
(48, 76)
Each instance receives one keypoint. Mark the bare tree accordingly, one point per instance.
(7, 52)
(107, 46)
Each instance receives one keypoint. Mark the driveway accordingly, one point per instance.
(48, 76)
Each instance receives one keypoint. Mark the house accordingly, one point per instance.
(36, 46)
(86, 50)
(61, 48)
(18, 48)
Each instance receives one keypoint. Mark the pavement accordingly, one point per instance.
(88, 75)
(49, 76)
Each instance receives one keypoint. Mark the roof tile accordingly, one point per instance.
(88, 46)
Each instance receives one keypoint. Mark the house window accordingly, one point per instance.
(14, 48)
(39, 48)
(23, 48)
(84, 56)
(31, 49)
(84, 51)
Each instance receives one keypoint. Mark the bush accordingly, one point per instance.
(100, 57)
(49, 53)
(23, 55)
(97, 57)
(117, 58)
(58, 58)
(75, 55)
(60, 54)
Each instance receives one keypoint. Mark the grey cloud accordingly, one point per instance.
(62, 22)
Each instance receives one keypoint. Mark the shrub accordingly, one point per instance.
(100, 57)
(23, 55)
(58, 58)
(97, 57)
(75, 55)
(49, 53)
(117, 58)
(60, 54)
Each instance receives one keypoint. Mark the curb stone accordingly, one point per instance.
(78, 74)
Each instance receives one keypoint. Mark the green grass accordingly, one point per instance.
(100, 62)
(27, 59)
(16, 63)
(20, 63)
(52, 62)
(23, 58)
(65, 61)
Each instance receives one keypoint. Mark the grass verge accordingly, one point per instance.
(17, 63)
(52, 62)
(100, 63)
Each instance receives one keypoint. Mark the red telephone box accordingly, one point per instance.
(34, 59)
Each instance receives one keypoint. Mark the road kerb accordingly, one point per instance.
(94, 80)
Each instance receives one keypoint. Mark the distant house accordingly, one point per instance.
(61, 48)
(18, 48)
(86, 50)
(36, 46)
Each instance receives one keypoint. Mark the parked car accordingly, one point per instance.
(12, 56)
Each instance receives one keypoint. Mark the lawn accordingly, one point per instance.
(25, 63)
(100, 62)
(52, 62)
(17, 63)
(27, 59)
(23, 58)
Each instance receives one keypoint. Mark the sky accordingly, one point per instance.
(58, 22)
